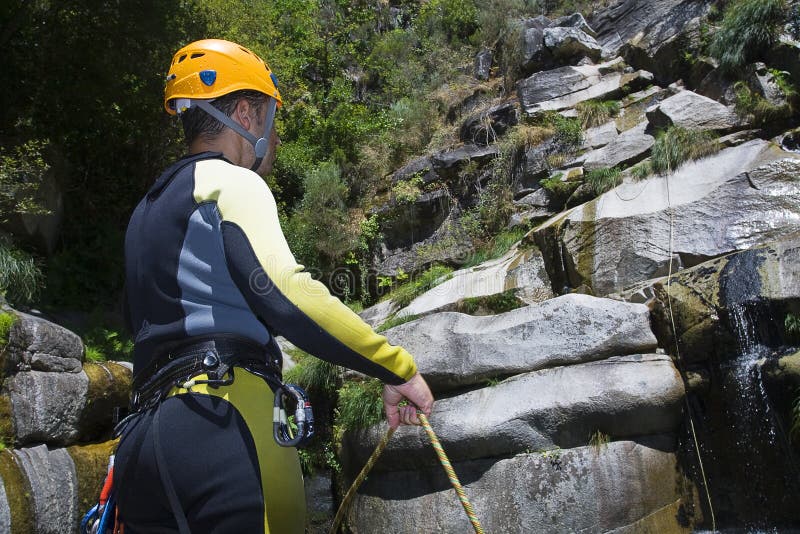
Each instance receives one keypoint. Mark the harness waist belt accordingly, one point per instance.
(214, 356)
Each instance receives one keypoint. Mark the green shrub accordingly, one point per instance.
(559, 190)
(791, 325)
(419, 284)
(492, 304)
(749, 28)
(595, 112)
(21, 280)
(569, 133)
(642, 170)
(602, 180)
(107, 344)
(599, 440)
(395, 321)
(7, 320)
(21, 173)
(756, 109)
(456, 20)
(313, 374)
(407, 191)
(360, 404)
(677, 145)
(496, 246)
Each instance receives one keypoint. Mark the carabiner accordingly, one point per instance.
(303, 417)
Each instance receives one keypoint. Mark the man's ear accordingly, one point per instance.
(241, 113)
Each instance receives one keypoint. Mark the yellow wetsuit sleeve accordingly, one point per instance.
(287, 299)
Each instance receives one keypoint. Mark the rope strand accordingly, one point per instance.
(451, 474)
(437, 446)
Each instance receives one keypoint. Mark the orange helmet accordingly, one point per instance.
(211, 68)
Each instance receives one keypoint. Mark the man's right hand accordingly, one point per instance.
(418, 395)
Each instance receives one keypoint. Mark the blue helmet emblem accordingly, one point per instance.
(208, 77)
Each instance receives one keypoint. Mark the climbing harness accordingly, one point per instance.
(443, 459)
(210, 361)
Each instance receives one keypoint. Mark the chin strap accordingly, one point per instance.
(260, 145)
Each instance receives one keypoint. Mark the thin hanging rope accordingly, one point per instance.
(679, 360)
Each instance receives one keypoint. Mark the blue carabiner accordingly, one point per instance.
(90, 515)
(109, 510)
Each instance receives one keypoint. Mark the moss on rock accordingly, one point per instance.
(91, 465)
(109, 387)
(18, 494)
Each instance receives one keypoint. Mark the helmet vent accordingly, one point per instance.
(181, 58)
(197, 55)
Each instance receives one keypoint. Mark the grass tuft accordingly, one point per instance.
(360, 404)
(596, 112)
(602, 180)
(749, 28)
(677, 145)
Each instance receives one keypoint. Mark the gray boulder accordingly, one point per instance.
(421, 167)
(600, 136)
(5, 510)
(448, 164)
(405, 223)
(53, 488)
(765, 84)
(35, 343)
(625, 486)
(738, 198)
(520, 270)
(627, 148)
(483, 64)
(707, 300)
(693, 112)
(634, 106)
(453, 349)
(571, 44)
(575, 20)
(624, 396)
(565, 87)
(46, 407)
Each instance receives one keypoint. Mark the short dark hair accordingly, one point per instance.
(197, 123)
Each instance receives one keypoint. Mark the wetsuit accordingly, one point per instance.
(205, 256)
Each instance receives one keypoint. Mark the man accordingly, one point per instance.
(210, 281)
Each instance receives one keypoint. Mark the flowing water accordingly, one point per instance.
(753, 477)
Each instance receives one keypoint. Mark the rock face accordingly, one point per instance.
(706, 298)
(570, 44)
(34, 343)
(627, 148)
(53, 487)
(625, 396)
(47, 490)
(522, 271)
(565, 87)
(625, 486)
(47, 406)
(693, 112)
(650, 35)
(61, 408)
(454, 350)
(741, 197)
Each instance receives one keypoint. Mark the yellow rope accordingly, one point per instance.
(437, 446)
(357, 482)
(451, 474)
